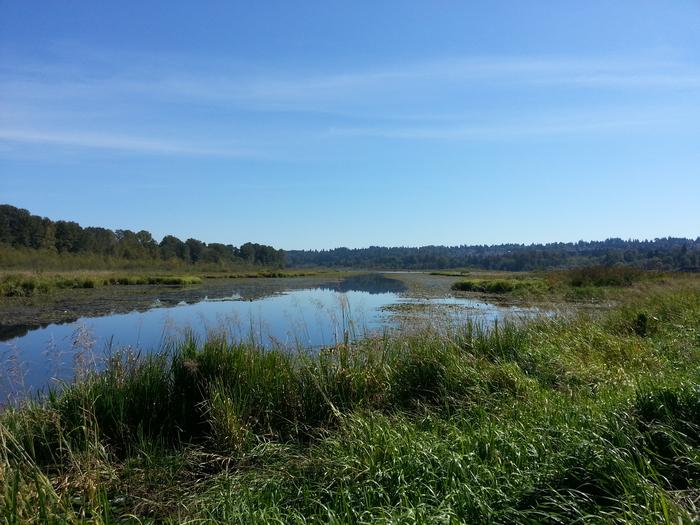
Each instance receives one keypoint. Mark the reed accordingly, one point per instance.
(500, 286)
(586, 419)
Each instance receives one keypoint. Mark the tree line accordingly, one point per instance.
(659, 254)
(20, 229)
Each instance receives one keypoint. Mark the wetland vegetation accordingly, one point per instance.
(589, 417)
(306, 263)
(28, 285)
(499, 286)
(593, 283)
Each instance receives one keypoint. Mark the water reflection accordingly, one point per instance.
(292, 319)
(371, 283)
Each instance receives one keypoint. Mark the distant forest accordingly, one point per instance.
(19, 229)
(659, 254)
(21, 232)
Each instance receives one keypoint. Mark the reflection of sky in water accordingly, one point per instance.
(295, 319)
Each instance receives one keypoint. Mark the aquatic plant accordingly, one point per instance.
(588, 419)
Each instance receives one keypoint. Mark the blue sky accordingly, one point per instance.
(323, 124)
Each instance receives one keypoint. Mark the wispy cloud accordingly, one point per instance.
(601, 122)
(313, 90)
(413, 81)
(232, 110)
(113, 142)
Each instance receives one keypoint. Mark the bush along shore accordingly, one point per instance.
(586, 419)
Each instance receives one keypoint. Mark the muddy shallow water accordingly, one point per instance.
(46, 341)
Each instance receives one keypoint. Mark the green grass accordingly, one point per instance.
(265, 274)
(451, 273)
(585, 284)
(604, 276)
(33, 284)
(586, 419)
(500, 286)
(28, 285)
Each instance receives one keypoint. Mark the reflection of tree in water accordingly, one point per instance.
(11, 331)
(371, 283)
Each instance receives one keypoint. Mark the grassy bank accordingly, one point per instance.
(499, 286)
(269, 274)
(28, 285)
(594, 283)
(585, 419)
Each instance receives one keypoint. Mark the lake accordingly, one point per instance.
(316, 315)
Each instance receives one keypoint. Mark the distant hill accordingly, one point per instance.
(662, 254)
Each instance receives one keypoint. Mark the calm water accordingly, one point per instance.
(302, 318)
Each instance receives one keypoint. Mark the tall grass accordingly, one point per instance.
(595, 283)
(602, 276)
(499, 286)
(558, 421)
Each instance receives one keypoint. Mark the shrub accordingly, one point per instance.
(604, 276)
(499, 286)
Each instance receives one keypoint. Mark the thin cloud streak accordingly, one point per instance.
(642, 120)
(313, 91)
(37, 104)
(113, 142)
